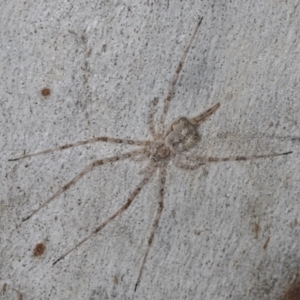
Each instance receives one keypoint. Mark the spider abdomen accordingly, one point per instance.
(182, 135)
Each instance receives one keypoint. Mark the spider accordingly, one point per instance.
(168, 144)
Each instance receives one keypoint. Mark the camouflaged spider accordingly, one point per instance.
(167, 145)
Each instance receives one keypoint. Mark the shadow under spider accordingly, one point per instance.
(167, 144)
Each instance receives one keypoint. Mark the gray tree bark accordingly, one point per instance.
(229, 230)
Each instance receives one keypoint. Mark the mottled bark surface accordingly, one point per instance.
(72, 71)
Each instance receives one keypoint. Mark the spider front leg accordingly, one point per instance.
(203, 116)
(194, 162)
(151, 122)
(113, 216)
(176, 75)
(86, 170)
(179, 163)
(162, 179)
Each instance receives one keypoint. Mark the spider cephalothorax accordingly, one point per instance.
(159, 152)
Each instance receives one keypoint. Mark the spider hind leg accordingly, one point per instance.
(162, 179)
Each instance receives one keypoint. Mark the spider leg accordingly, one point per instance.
(94, 140)
(143, 156)
(197, 161)
(86, 170)
(113, 216)
(176, 75)
(187, 166)
(202, 117)
(146, 169)
(151, 119)
(162, 179)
